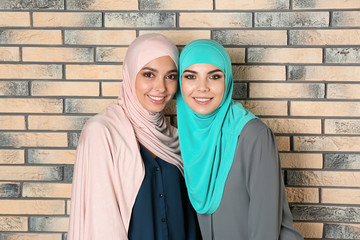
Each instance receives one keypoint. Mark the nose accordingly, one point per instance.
(159, 84)
(203, 85)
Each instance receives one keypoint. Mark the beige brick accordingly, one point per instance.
(30, 173)
(57, 122)
(13, 223)
(34, 207)
(341, 126)
(301, 160)
(251, 4)
(326, 4)
(310, 230)
(28, 36)
(285, 55)
(87, 105)
(102, 5)
(326, 178)
(68, 206)
(268, 73)
(31, 236)
(12, 122)
(215, 20)
(67, 19)
(40, 88)
(32, 139)
(340, 196)
(47, 190)
(264, 108)
(326, 143)
(45, 156)
(94, 72)
(14, 19)
(306, 108)
(286, 90)
(110, 54)
(343, 91)
(294, 125)
(99, 37)
(237, 55)
(30, 71)
(250, 37)
(55, 54)
(325, 37)
(49, 224)
(181, 37)
(346, 19)
(110, 89)
(176, 5)
(283, 143)
(324, 73)
(9, 53)
(302, 195)
(31, 105)
(12, 156)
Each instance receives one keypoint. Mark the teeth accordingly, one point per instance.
(202, 99)
(156, 98)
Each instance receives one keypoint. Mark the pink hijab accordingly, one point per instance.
(109, 169)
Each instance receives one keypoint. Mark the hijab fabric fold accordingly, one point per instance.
(109, 169)
(208, 142)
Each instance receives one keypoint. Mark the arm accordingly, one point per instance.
(263, 181)
(94, 213)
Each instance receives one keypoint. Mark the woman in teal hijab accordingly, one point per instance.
(231, 164)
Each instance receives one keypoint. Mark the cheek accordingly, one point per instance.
(186, 87)
(172, 87)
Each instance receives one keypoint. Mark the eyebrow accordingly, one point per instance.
(194, 72)
(154, 70)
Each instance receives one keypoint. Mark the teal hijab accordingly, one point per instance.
(208, 142)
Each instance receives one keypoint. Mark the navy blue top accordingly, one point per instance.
(162, 209)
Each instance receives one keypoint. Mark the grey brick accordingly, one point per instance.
(342, 231)
(343, 55)
(150, 4)
(32, 4)
(68, 173)
(140, 19)
(240, 90)
(342, 161)
(304, 4)
(326, 213)
(292, 19)
(9, 190)
(344, 126)
(14, 88)
(46, 223)
(74, 139)
(296, 72)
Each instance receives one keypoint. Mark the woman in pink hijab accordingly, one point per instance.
(128, 177)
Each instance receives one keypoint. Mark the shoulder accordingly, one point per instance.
(254, 129)
(109, 124)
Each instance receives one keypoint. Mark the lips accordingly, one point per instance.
(202, 100)
(157, 99)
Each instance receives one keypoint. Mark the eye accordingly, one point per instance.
(189, 76)
(148, 74)
(216, 76)
(172, 76)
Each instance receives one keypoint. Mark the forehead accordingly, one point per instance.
(202, 67)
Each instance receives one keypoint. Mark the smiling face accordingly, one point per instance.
(203, 87)
(156, 83)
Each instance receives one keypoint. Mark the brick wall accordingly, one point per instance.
(296, 64)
